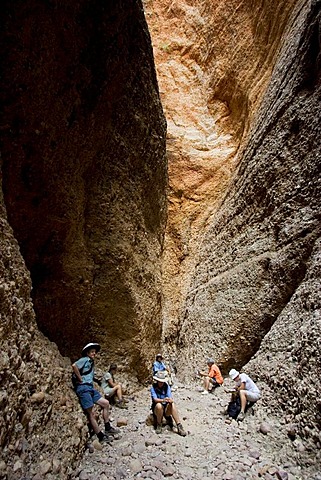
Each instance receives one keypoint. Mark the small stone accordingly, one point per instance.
(135, 466)
(17, 466)
(265, 428)
(254, 454)
(37, 397)
(282, 475)
(167, 470)
(272, 470)
(121, 422)
(299, 446)
(3, 467)
(83, 475)
(97, 445)
(45, 467)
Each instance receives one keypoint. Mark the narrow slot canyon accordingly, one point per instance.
(160, 174)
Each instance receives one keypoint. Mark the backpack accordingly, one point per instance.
(82, 371)
(234, 408)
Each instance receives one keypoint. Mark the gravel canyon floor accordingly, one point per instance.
(214, 448)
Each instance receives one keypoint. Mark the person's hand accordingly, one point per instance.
(169, 400)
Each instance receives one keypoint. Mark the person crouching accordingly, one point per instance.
(163, 404)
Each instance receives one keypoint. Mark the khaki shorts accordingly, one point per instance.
(251, 396)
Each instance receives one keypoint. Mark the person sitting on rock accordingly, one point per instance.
(163, 404)
(212, 378)
(83, 378)
(113, 389)
(247, 389)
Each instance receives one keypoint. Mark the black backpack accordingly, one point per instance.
(82, 371)
(234, 408)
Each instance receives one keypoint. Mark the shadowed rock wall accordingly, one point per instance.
(84, 171)
(42, 428)
(258, 261)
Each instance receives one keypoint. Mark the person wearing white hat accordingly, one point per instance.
(83, 379)
(247, 389)
(163, 404)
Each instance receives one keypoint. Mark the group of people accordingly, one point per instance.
(163, 405)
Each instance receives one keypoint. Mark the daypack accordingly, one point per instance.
(82, 371)
(234, 408)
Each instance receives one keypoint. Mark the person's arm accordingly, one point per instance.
(169, 398)
(167, 369)
(155, 399)
(111, 382)
(241, 387)
(77, 372)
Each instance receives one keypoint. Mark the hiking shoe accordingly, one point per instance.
(106, 439)
(181, 431)
(159, 429)
(112, 431)
(241, 417)
(204, 392)
(121, 405)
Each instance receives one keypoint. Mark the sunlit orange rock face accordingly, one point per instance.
(213, 60)
(241, 83)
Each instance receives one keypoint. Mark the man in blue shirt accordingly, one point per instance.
(159, 365)
(163, 403)
(84, 373)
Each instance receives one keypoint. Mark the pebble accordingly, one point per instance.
(265, 428)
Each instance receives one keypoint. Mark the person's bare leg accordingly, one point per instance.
(119, 393)
(172, 410)
(159, 413)
(243, 400)
(206, 383)
(102, 402)
(92, 420)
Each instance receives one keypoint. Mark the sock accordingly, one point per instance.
(107, 426)
(100, 436)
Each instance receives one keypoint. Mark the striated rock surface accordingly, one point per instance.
(84, 171)
(214, 60)
(258, 264)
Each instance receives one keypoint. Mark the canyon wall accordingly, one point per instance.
(258, 265)
(84, 172)
(42, 428)
(213, 60)
(83, 209)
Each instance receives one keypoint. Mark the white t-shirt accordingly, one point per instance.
(249, 384)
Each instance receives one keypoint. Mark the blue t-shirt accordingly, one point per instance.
(161, 392)
(84, 364)
(158, 367)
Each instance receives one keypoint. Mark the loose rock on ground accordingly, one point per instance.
(215, 447)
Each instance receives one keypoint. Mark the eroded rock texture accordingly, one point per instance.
(258, 264)
(42, 428)
(84, 171)
(214, 59)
